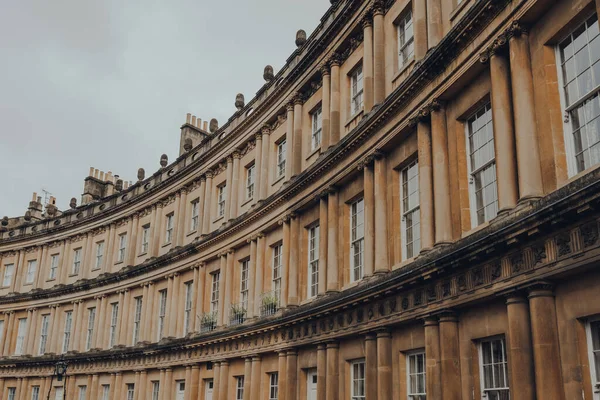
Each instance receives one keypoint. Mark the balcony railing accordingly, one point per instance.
(238, 313)
(269, 303)
(208, 322)
(496, 394)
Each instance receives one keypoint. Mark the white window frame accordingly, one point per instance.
(156, 390)
(316, 118)
(221, 199)
(406, 38)
(244, 283)
(12, 392)
(239, 387)
(169, 227)
(162, 313)
(357, 366)
(114, 318)
(415, 209)
(594, 365)
(137, 320)
(484, 390)
(356, 90)
(82, 392)
(277, 267)
(99, 254)
(122, 247)
(130, 391)
(105, 392)
(21, 332)
(31, 270)
(76, 266)
(67, 331)
(414, 355)
(89, 335)
(313, 261)
(357, 242)
(145, 239)
(35, 393)
(45, 325)
(53, 266)
(195, 215)
(250, 180)
(273, 386)
(9, 271)
(281, 158)
(187, 314)
(214, 292)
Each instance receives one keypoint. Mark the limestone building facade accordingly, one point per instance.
(408, 209)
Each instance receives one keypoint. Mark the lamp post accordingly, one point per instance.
(60, 370)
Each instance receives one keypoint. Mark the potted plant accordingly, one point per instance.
(238, 312)
(270, 302)
(209, 319)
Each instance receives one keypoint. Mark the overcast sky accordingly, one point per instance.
(108, 83)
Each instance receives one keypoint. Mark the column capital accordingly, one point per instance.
(324, 68)
(236, 154)
(209, 173)
(370, 336)
(335, 60)
(516, 29)
(367, 19)
(290, 106)
(437, 104)
(265, 129)
(540, 289)
(333, 345)
(383, 333)
(448, 316)
(282, 353)
(292, 352)
(431, 321)
(229, 158)
(256, 358)
(378, 7)
(298, 99)
(258, 136)
(321, 346)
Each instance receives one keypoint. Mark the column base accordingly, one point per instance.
(442, 243)
(528, 200)
(503, 212)
(381, 271)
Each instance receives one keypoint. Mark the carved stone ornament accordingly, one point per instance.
(239, 101)
(213, 126)
(141, 174)
(187, 144)
(164, 160)
(300, 38)
(268, 73)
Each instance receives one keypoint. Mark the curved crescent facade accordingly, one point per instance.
(408, 209)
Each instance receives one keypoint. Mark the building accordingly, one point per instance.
(408, 209)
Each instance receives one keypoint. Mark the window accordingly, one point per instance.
(221, 200)
(35, 393)
(130, 391)
(356, 86)
(12, 391)
(122, 247)
(162, 312)
(195, 215)
(494, 371)
(9, 269)
(180, 386)
(281, 158)
(411, 214)
(99, 255)
(90, 328)
(594, 351)
(239, 388)
(277, 253)
(405, 39)
(53, 266)
(67, 332)
(250, 172)
(357, 226)
(188, 308)
(105, 392)
(415, 367)
(317, 127)
(44, 333)
(82, 392)
(357, 380)
(59, 393)
(214, 294)
(21, 330)
(245, 271)
(137, 320)
(31, 269)
(313, 261)
(145, 238)
(155, 389)
(580, 78)
(169, 231)
(76, 262)
(273, 385)
(114, 313)
(482, 166)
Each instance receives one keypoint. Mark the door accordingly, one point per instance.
(208, 391)
(311, 384)
(180, 390)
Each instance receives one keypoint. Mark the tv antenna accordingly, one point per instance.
(47, 195)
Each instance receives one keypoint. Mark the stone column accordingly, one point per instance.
(332, 389)
(528, 156)
(195, 289)
(148, 318)
(282, 375)
(251, 278)
(168, 383)
(188, 380)
(291, 374)
(224, 380)
(370, 366)
(321, 371)
(118, 387)
(201, 202)
(504, 135)
(247, 378)
(55, 342)
(31, 330)
(8, 318)
(207, 202)
(174, 315)
(289, 142)
(425, 184)
(522, 381)
(255, 383)
(367, 24)
(432, 355)
(222, 278)
(228, 187)
(441, 181)
(124, 317)
(100, 320)
(378, 52)
(333, 283)
(544, 335)
(228, 286)
(216, 380)
(41, 269)
(293, 270)
(323, 234)
(136, 385)
(132, 253)
(180, 212)
(450, 356)
(434, 22)
(157, 230)
(384, 365)
(369, 215)
(258, 280)
(264, 180)
(382, 263)
(297, 152)
(161, 385)
(200, 294)
(285, 260)
(143, 384)
(235, 186)
(326, 107)
(335, 124)
(258, 177)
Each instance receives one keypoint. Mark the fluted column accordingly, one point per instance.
(216, 380)
(289, 142)
(258, 177)
(247, 378)
(370, 366)
(321, 371)
(207, 202)
(384, 365)
(266, 146)
(433, 364)
(222, 279)
(148, 318)
(520, 355)
(188, 379)
(323, 234)
(382, 263)
(255, 379)
(425, 184)
(282, 375)
(224, 380)
(325, 107)
(504, 135)
(333, 283)
(332, 389)
(378, 52)
(251, 277)
(297, 153)
(335, 124)
(229, 188)
(450, 356)
(136, 385)
(368, 59)
(235, 186)
(294, 259)
(118, 387)
(8, 317)
(544, 337)
(369, 215)
(99, 328)
(441, 181)
(260, 265)
(291, 374)
(528, 156)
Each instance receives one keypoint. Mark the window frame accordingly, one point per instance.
(145, 239)
(187, 312)
(281, 157)
(360, 241)
(221, 199)
(114, 318)
(276, 268)
(89, 335)
(82, 392)
(314, 237)
(273, 385)
(76, 266)
(67, 331)
(482, 379)
(409, 374)
(44, 334)
(214, 292)
(400, 25)
(594, 367)
(137, 319)
(130, 391)
(54, 258)
(250, 181)
(169, 224)
(404, 213)
(195, 215)
(244, 283)
(31, 271)
(99, 254)
(162, 313)
(155, 390)
(353, 378)
(316, 119)
(357, 88)
(22, 324)
(8, 267)
(35, 392)
(122, 247)
(239, 387)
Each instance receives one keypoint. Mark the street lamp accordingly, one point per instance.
(60, 369)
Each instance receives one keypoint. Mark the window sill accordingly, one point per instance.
(476, 228)
(195, 231)
(49, 280)
(352, 284)
(403, 69)
(355, 117)
(166, 244)
(72, 275)
(247, 201)
(218, 219)
(96, 269)
(28, 284)
(459, 7)
(142, 254)
(279, 178)
(118, 262)
(315, 151)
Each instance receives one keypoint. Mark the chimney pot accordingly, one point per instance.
(188, 118)
(205, 126)
(199, 123)
(193, 120)
(91, 171)
(34, 196)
